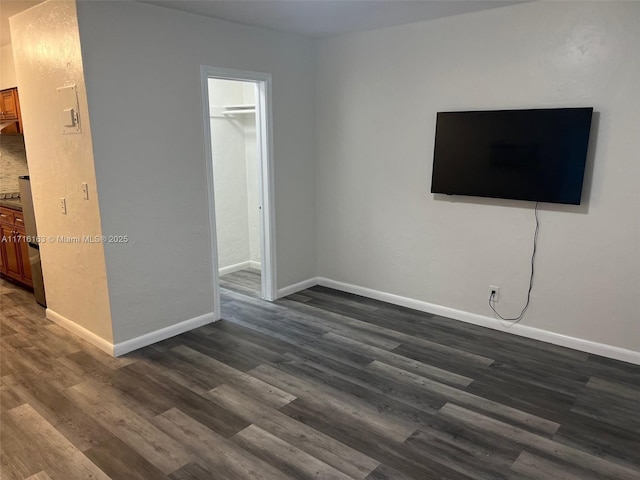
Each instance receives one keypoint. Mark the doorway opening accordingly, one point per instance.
(237, 121)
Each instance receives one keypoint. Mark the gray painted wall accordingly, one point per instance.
(378, 225)
(142, 68)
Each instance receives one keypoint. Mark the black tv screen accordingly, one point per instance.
(536, 155)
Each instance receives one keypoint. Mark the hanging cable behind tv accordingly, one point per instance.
(533, 257)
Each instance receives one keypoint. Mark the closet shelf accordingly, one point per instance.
(238, 109)
(231, 110)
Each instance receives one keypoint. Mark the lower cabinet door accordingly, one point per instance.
(13, 263)
(24, 258)
(3, 253)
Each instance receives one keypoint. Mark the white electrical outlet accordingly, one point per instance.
(85, 191)
(63, 206)
(494, 293)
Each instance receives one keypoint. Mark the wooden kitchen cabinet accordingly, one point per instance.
(14, 249)
(9, 104)
(10, 110)
(11, 252)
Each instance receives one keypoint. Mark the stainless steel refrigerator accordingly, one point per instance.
(32, 233)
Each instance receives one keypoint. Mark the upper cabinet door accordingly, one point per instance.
(9, 104)
(10, 110)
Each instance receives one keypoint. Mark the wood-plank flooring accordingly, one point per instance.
(319, 385)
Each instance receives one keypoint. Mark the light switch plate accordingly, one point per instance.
(68, 109)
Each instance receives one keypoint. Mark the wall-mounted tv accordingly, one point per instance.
(536, 155)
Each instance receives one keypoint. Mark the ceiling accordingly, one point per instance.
(8, 8)
(323, 18)
(314, 18)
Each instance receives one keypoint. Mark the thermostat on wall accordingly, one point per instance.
(68, 109)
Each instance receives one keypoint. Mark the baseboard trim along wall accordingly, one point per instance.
(297, 287)
(234, 268)
(127, 346)
(587, 346)
(135, 343)
(153, 337)
(240, 266)
(80, 331)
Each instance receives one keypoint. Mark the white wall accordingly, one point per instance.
(378, 225)
(7, 69)
(253, 177)
(142, 67)
(48, 57)
(235, 173)
(229, 174)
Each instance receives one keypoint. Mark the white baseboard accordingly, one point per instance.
(297, 287)
(80, 331)
(240, 266)
(254, 264)
(127, 346)
(234, 268)
(135, 343)
(583, 345)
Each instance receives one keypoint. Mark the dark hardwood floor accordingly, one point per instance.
(319, 385)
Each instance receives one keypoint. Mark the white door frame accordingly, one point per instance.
(264, 134)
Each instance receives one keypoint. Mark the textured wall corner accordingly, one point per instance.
(46, 48)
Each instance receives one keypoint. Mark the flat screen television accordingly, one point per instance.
(536, 155)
